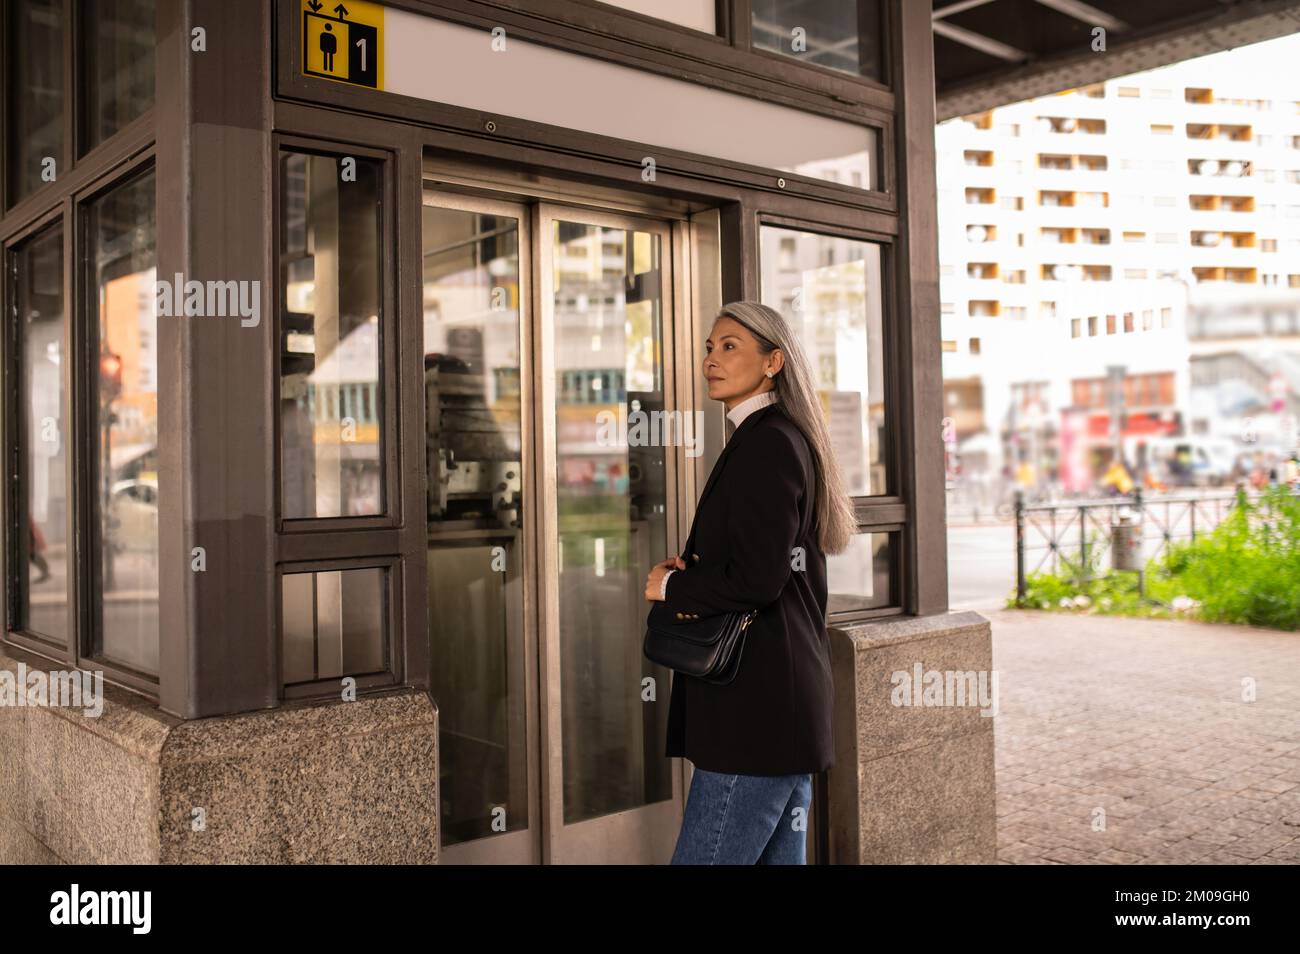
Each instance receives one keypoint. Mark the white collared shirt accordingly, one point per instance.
(750, 405)
(736, 415)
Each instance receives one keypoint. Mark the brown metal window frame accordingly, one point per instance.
(875, 513)
(73, 158)
(319, 544)
(392, 676)
(85, 380)
(123, 157)
(80, 178)
(80, 119)
(15, 436)
(886, 66)
(389, 408)
(698, 66)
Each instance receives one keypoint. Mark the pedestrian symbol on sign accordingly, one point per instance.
(346, 46)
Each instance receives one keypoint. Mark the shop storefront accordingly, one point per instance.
(321, 344)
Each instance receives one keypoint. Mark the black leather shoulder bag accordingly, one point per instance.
(707, 648)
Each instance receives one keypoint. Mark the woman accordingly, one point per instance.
(773, 506)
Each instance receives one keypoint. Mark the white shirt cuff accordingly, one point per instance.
(663, 584)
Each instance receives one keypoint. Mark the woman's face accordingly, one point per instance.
(733, 364)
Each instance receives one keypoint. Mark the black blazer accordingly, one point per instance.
(756, 508)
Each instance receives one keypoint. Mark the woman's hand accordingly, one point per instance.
(654, 582)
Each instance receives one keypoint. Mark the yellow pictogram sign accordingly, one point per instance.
(344, 42)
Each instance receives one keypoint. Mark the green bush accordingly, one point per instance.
(1247, 570)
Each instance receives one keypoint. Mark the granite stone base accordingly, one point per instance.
(913, 783)
(341, 782)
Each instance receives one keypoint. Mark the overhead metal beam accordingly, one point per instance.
(1220, 28)
(977, 41)
(1087, 13)
(957, 7)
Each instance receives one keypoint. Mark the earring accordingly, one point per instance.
(769, 374)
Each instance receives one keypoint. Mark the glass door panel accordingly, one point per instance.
(475, 329)
(606, 296)
(547, 336)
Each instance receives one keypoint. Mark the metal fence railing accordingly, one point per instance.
(1075, 535)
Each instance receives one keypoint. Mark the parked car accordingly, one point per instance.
(133, 515)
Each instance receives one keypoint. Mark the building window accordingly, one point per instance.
(841, 321)
(331, 463)
(43, 592)
(1075, 327)
(35, 93)
(845, 36)
(1092, 326)
(974, 346)
(117, 66)
(1110, 324)
(121, 267)
(864, 570)
(841, 326)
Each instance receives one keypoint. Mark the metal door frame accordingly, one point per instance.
(620, 837)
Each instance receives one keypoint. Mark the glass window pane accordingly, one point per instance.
(331, 456)
(35, 94)
(829, 290)
(45, 585)
(696, 14)
(860, 577)
(118, 65)
(608, 309)
(843, 35)
(125, 438)
(472, 324)
(333, 624)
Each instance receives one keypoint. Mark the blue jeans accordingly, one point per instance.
(744, 820)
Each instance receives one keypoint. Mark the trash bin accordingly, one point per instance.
(1126, 542)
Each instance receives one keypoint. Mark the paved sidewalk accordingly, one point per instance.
(1143, 720)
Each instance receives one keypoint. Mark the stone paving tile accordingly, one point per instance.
(1128, 742)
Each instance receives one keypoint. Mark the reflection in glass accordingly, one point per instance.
(474, 462)
(608, 324)
(45, 586)
(118, 44)
(859, 578)
(829, 290)
(122, 261)
(844, 35)
(332, 624)
(331, 421)
(35, 94)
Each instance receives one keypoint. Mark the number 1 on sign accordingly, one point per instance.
(362, 44)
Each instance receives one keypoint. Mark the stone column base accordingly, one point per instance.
(913, 782)
(341, 782)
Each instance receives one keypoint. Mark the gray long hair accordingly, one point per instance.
(797, 395)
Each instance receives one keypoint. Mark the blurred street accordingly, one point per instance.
(981, 564)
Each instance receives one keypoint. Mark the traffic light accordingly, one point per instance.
(110, 376)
